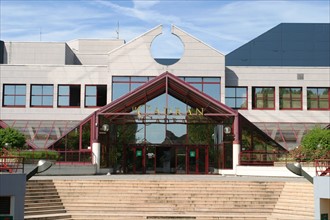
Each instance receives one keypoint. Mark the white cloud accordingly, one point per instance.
(144, 4)
(225, 25)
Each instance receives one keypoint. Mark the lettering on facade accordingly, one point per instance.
(148, 117)
(167, 111)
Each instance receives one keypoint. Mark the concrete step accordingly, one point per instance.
(43, 202)
(45, 212)
(40, 204)
(62, 216)
(169, 201)
(168, 216)
(43, 208)
(287, 216)
(203, 200)
(171, 209)
(146, 191)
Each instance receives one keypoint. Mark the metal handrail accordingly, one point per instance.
(261, 158)
(75, 157)
(64, 157)
(11, 164)
(322, 167)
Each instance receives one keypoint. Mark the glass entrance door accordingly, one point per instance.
(135, 159)
(150, 159)
(166, 159)
(197, 160)
(139, 160)
(181, 160)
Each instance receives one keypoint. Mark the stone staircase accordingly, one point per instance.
(179, 199)
(136, 199)
(42, 202)
(296, 202)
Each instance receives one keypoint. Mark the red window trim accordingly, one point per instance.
(58, 95)
(13, 95)
(235, 97)
(14, 106)
(41, 106)
(291, 100)
(255, 98)
(93, 106)
(318, 99)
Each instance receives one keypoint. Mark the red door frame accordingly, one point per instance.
(197, 155)
(188, 148)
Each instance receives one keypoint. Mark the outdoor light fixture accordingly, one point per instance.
(42, 166)
(105, 127)
(227, 130)
(298, 170)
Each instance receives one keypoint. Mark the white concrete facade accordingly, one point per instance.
(95, 61)
(130, 59)
(270, 76)
(55, 75)
(322, 197)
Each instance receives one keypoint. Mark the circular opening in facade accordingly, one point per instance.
(167, 48)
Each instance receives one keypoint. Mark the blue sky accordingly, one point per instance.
(224, 25)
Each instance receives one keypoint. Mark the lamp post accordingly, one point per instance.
(297, 169)
(42, 166)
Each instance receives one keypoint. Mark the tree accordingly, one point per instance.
(316, 143)
(12, 137)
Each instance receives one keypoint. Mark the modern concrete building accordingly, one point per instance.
(201, 112)
(12, 194)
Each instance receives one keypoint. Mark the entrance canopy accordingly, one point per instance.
(172, 85)
(139, 107)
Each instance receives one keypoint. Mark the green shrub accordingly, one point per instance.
(12, 137)
(316, 143)
(37, 154)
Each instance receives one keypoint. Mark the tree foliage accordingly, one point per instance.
(316, 144)
(12, 137)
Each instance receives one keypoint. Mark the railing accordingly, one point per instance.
(322, 167)
(11, 164)
(74, 157)
(58, 157)
(259, 158)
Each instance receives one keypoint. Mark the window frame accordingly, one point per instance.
(69, 96)
(195, 80)
(98, 86)
(14, 96)
(264, 99)
(130, 81)
(235, 97)
(290, 99)
(192, 80)
(42, 96)
(318, 99)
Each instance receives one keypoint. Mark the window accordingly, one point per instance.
(42, 95)
(318, 98)
(208, 85)
(14, 95)
(95, 96)
(236, 97)
(5, 205)
(291, 98)
(124, 84)
(68, 96)
(263, 98)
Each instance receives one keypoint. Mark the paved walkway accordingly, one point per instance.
(164, 177)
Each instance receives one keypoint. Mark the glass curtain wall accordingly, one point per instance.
(164, 135)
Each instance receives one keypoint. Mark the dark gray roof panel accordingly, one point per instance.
(287, 44)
